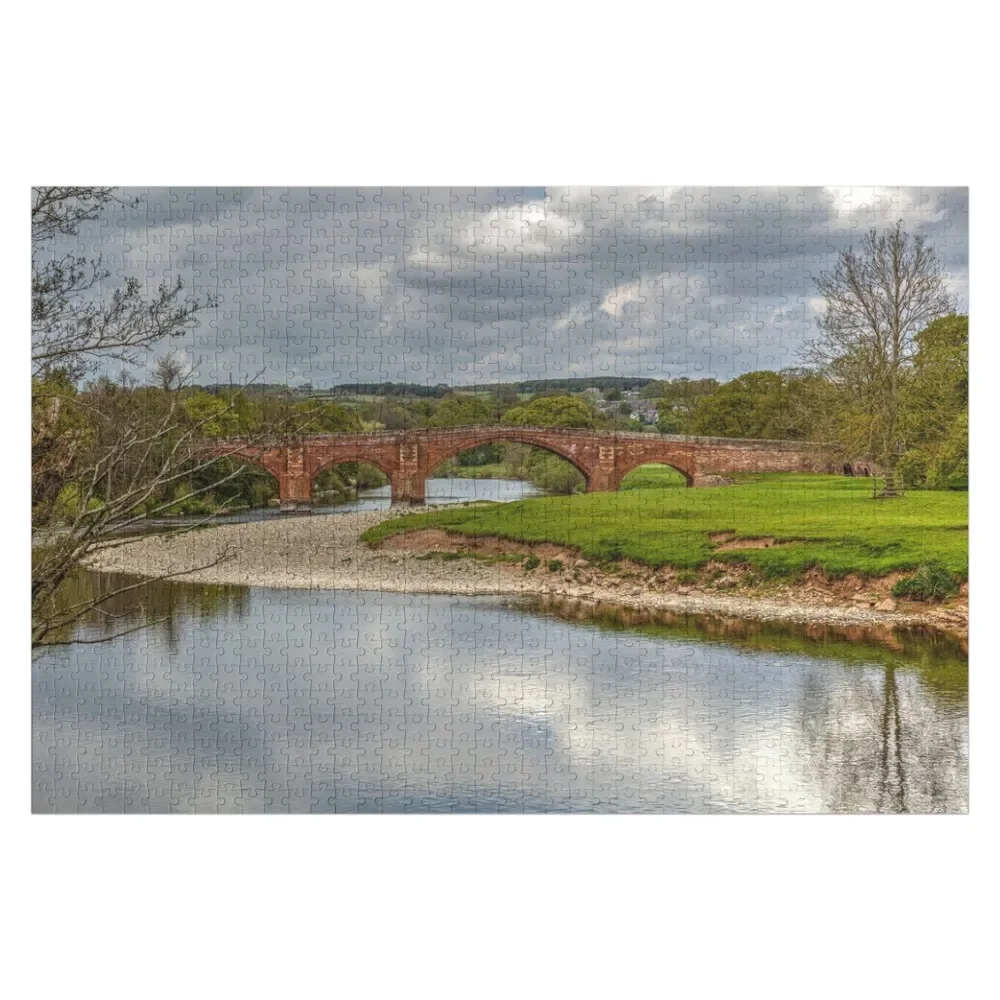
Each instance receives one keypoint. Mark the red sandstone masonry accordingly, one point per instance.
(603, 457)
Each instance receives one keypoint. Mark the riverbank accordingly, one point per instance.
(327, 553)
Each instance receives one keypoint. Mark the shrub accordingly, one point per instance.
(610, 549)
(70, 501)
(532, 562)
(686, 576)
(913, 468)
(931, 582)
(555, 565)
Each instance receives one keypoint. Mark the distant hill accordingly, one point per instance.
(600, 382)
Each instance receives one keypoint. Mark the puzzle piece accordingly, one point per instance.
(310, 673)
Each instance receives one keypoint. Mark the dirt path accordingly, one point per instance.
(324, 552)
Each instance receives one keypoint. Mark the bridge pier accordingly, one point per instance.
(294, 488)
(407, 487)
(409, 479)
(602, 479)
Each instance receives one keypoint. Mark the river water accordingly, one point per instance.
(438, 493)
(240, 699)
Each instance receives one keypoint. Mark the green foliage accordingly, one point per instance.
(931, 582)
(764, 404)
(553, 474)
(458, 411)
(338, 482)
(552, 411)
(532, 563)
(745, 407)
(681, 393)
(826, 521)
(484, 454)
(214, 415)
(325, 418)
(667, 421)
(69, 502)
(394, 414)
(943, 347)
(609, 549)
(554, 565)
(186, 503)
(935, 414)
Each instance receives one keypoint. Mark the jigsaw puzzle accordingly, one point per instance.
(599, 500)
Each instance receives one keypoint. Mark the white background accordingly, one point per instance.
(513, 93)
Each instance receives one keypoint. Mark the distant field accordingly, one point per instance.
(652, 476)
(828, 521)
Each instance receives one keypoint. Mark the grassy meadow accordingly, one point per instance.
(829, 522)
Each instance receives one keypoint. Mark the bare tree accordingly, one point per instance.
(75, 324)
(877, 299)
(169, 371)
(105, 457)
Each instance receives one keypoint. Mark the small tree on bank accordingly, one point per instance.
(877, 299)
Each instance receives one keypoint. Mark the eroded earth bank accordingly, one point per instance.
(325, 552)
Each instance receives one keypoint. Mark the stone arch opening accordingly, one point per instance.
(653, 473)
(252, 481)
(516, 456)
(343, 479)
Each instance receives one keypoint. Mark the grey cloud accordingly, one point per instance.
(467, 286)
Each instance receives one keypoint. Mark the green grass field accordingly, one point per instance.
(830, 522)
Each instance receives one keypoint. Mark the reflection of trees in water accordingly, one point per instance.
(883, 740)
(941, 659)
(892, 747)
(885, 733)
(125, 601)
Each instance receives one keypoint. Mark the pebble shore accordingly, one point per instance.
(325, 552)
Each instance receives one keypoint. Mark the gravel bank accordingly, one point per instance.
(325, 553)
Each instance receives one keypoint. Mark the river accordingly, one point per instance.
(237, 699)
(438, 492)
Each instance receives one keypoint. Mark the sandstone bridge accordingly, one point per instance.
(409, 457)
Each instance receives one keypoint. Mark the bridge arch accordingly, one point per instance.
(653, 458)
(513, 435)
(261, 462)
(631, 467)
(315, 471)
(373, 460)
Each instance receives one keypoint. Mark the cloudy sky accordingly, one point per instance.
(470, 286)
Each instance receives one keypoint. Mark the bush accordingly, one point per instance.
(931, 582)
(554, 475)
(70, 501)
(532, 562)
(555, 565)
(611, 549)
(686, 576)
(913, 468)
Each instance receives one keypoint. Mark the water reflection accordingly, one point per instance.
(290, 701)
